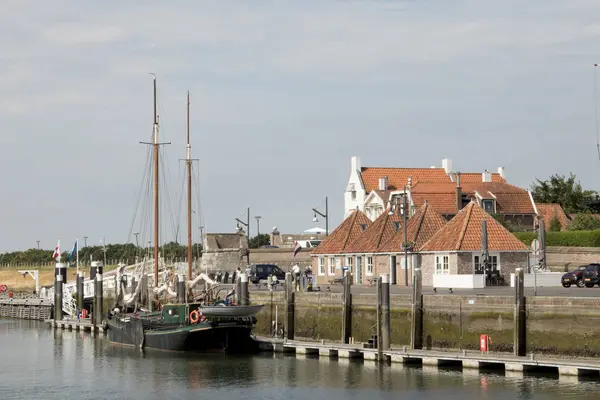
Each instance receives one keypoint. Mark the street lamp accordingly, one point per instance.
(258, 217)
(326, 216)
(136, 239)
(404, 211)
(246, 224)
(38, 242)
(85, 241)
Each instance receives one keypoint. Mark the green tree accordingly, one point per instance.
(259, 240)
(566, 191)
(584, 222)
(555, 225)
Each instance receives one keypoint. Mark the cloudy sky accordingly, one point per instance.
(283, 94)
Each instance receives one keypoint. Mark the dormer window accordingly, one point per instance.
(397, 225)
(489, 205)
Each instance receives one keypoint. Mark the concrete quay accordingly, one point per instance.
(462, 359)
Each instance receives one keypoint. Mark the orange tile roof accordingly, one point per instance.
(475, 177)
(383, 228)
(549, 211)
(350, 229)
(419, 229)
(398, 177)
(510, 199)
(463, 233)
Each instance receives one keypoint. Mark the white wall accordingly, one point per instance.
(356, 181)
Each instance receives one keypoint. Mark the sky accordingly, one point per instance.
(283, 93)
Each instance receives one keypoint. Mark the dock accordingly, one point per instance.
(458, 359)
(34, 308)
(78, 325)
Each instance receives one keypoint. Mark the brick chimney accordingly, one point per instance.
(458, 193)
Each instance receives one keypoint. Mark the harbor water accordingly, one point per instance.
(41, 363)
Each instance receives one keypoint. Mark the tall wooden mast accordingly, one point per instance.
(189, 191)
(156, 145)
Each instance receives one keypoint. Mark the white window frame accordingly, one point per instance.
(369, 265)
(493, 205)
(350, 263)
(493, 257)
(331, 266)
(442, 260)
(321, 266)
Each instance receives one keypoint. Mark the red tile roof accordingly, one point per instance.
(463, 233)
(350, 229)
(398, 177)
(382, 229)
(510, 199)
(419, 229)
(549, 211)
(475, 177)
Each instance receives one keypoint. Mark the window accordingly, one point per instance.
(369, 265)
(441, 265)
(332, 266)
(489, 206)
(350, 263)
(321, 265)
(478, 263)
(353, 195)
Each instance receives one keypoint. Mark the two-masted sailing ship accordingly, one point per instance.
(201, 322)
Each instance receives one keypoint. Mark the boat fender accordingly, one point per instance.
(194, 316)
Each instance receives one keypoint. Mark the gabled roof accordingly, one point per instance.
(549, 211)
(419, 229)
(398, 177)
(350, 229)
(510, 199)
(463, 233)
(383, 228)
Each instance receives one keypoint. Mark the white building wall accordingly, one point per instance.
(354, 196)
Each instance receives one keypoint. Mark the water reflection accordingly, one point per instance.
(64, 364)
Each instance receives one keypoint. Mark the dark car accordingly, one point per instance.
(591, 275)
(574, 277)
(259, 272)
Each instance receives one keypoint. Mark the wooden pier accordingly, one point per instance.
(36, 309)
(460, 359)
(78, 325)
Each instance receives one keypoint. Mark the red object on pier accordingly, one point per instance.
(484, 343)
(2, 288)
(10, 294)
(84, 313)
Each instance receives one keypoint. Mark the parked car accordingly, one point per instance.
(591, 275)
(574, 277)
(259, 272)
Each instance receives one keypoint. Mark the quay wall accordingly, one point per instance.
(555, 325)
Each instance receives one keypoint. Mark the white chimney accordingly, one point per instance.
(447, 165)
(433, 166)
(383, 183)
(486, 176)
(501, 171)
(355, 164)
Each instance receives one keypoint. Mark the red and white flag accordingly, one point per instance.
(297, 249)
(56, 254)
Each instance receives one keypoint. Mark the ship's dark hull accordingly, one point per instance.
(231, 338)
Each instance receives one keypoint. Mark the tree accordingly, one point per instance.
(506, 223)
(555, 225)
(259, 240)
(565, 191)
(584, 222)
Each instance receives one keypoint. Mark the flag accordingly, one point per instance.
(297, 248)
(56, 254)
(74, 250)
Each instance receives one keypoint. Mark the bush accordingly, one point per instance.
(584, 222)
(555, 225)
(567, 238)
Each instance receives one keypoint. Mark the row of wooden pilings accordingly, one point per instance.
(383, 312)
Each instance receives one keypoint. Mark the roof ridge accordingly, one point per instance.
(421, 222)
(354, 216)
(461, 237)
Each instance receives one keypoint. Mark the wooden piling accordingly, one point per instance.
(58, 297)
(520, 327)
(290, 318)
(98, 299)
(416, 323)
(385, 312)
(79, 290)
(244, 293)
(347, 309)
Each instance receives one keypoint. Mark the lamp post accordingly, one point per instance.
(326, 216)
(85, 241)
(258, 217)
(404, 210)
(38, 242)
(136, 239)
(246, 224)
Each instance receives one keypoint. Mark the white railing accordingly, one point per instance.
(459, 281)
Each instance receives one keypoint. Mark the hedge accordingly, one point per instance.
(566, 238)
